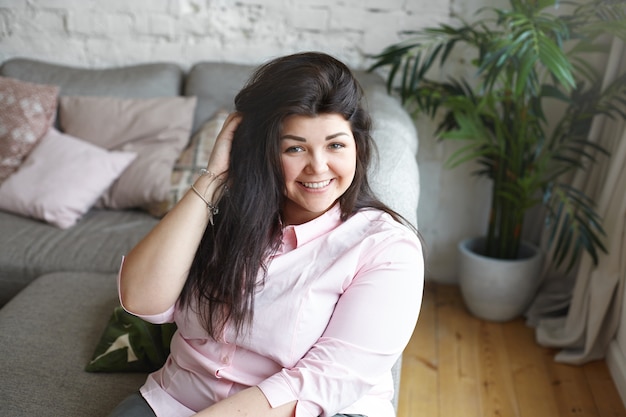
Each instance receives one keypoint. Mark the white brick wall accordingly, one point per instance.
(114, 32)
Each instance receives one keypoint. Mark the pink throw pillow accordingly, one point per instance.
(61, 179)
(26, 112)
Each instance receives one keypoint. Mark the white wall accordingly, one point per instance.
(100, 33)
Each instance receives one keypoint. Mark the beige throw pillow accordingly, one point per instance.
(26, 112)
(156, 129)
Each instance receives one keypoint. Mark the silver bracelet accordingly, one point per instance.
(206, 172)
(213, 209)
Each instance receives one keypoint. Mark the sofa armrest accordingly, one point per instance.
(394, 174)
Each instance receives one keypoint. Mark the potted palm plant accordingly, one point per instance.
(529, 58)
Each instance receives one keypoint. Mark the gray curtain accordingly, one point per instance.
(579, 313)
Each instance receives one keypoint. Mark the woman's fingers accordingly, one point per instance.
(218, 162)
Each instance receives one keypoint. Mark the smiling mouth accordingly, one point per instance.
(316, 185)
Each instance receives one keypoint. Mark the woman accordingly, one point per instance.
(294, 289)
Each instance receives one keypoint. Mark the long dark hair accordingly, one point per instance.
(231, 259)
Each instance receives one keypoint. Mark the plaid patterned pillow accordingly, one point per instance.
(193, 158)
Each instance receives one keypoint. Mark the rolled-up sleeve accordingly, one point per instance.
(166, 317)
(371, 325)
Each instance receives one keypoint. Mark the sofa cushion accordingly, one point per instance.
(27, 112)
(157, 129)
(97, 243)
(61, 179)
(47, 335)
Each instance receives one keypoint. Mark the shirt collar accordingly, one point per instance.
(298, 235)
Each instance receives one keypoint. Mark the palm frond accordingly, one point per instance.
(573, 221)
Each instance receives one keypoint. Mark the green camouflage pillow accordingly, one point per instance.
(130, 344)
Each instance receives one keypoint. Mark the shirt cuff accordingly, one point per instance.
(278, 392)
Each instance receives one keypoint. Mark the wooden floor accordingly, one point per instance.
(459, 366)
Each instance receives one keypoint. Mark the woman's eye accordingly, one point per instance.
(294, 149)
(336, 146)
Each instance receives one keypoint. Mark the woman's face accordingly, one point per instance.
(318, 156)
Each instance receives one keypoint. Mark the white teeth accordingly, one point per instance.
(316, 184)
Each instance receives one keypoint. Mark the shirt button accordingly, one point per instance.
(225, 359)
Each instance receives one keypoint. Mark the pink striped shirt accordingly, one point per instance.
(339, 304)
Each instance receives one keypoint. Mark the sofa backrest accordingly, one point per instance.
(215, 85)
(137, 81)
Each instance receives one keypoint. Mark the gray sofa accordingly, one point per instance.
(57, 287)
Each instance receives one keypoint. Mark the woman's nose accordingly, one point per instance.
(317, 162)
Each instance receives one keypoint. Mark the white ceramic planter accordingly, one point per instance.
(496, 289)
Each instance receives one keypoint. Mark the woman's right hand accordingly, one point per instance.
(220, 156)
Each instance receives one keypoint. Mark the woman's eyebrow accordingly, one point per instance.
(334, 135)
(298, 138)
(301, 139)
